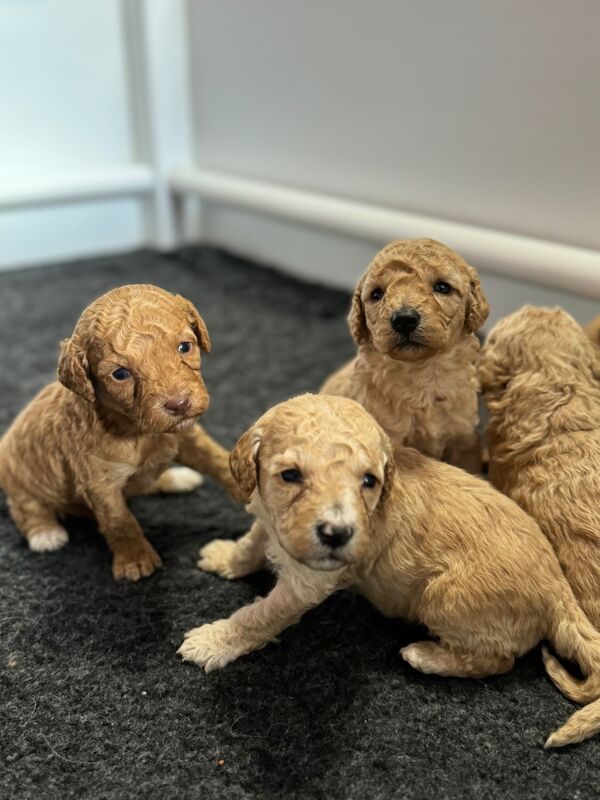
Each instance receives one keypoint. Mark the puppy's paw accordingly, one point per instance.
(134, 563)
(212, 646)
(45, 541)
(420, 655)
(177, 480)
(219, 556)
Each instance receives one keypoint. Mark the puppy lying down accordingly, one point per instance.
(541, 380)
(123, 410)
(422, 540)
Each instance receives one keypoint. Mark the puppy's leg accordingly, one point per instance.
(253, 626)
(466, 453)
(235, 559)
(199, 451)
(133, 555)
(37, 523)
(441, 659)
(176, 480)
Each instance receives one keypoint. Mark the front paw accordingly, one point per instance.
(219, 556)
(212, 646)
(135, 562)
(179, 480)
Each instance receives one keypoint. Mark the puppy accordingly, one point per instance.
(593, 330)
(541, 380)
(413, 317)
(420, 539)
(123, 410)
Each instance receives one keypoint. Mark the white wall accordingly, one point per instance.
(473, 111)
(64, 107)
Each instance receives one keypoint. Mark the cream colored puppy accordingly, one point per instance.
(420, 539)
(413, 317)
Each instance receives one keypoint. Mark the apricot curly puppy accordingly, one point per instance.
(541, 380)
(413, 317)
(593, 330)
(124, 409)
(420, 539)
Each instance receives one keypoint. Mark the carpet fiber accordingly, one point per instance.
(94, 702)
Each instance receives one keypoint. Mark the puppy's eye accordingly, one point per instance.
(369, 481)
(377, 294)
(441, 287)
(291, 475)
(121, 374)
(184, 347)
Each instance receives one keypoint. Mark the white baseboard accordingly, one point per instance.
(562, 266)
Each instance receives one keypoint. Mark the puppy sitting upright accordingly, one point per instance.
(541, 381)
(125, 408)
(413, 316)
(420, 539)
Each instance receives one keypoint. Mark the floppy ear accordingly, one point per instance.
(243, 460)
(389, 469)
(478, 307)
(356, 318)
(73, 370)
(197, 323)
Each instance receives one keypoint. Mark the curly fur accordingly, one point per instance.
(422, 389)
(429, 543)
(540, 377)
(592, 329)
(88, 441)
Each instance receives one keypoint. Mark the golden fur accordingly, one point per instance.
(592, 329)
(421, 388)
(428, 543)
(88, 441)
(541, 379)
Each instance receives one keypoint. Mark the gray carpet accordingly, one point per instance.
(94, 703)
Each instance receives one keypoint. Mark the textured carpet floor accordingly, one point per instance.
(94, 703)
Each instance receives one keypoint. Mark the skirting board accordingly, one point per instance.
(338, 260)
(573, 269)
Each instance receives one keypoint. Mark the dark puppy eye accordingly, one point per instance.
(291, 475)
(441, 287)
(184, 347)
(377, 294)
(369, 481)
(121, 374)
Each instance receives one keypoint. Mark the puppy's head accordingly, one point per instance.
(417, 298)
(536, 347)
(320, 466)
(136, 352)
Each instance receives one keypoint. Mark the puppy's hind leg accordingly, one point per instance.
(176, 480)
(438, 658)
(235, 559)
(37, 523)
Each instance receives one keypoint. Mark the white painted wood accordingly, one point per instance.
(156, 49)
(70, 187)
(563, 266)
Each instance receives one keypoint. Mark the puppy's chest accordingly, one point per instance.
(142, 463)
(425, 417)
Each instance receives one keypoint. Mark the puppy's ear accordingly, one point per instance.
(74, 369)
(356, 318)
(389, 468)
(243, 460)
(478, 307)
(197, 323)
(491, 373)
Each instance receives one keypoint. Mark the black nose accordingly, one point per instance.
(334, 535)
(405, 321)
(178, 406)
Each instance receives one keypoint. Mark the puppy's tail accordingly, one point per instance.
(574, 637)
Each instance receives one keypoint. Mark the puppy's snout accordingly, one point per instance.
(334, 535)
(178, 405)
(405, 320)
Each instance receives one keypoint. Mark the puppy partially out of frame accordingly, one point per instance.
(541, 380)
(123, 410)
(413, 317)
(592, 329)
(420, 539)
